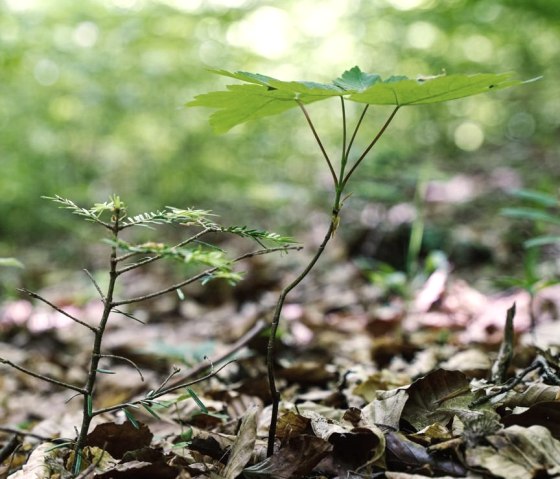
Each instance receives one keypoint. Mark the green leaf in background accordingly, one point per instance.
(11, 262)
(532, 214)
(263, 96)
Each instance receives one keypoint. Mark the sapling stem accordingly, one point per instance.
(339, 185)
(108, 303)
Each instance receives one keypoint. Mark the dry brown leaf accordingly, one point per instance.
(243, 446)
(518, 453)
(433, 398)
(297, 457)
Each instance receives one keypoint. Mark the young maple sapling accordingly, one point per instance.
(260, 96)
(125, 257)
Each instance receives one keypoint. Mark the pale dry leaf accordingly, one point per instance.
(244, 444)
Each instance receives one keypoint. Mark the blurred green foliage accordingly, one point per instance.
(91, 97)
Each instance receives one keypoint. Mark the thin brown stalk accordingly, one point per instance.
(271, 351)
(319, 142)
(48, 379)
(370, 146)
(60, 310)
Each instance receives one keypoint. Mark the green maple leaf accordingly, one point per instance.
(262, 96)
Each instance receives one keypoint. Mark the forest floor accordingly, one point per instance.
(374, 383)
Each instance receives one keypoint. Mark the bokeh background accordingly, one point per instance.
(92, 97)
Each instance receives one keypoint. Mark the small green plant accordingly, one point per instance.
(542, 211)
(261, 96)
(125, 256)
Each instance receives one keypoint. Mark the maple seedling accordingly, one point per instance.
(261, 96)
(212, 262)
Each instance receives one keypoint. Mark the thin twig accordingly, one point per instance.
(95, 284)
(151, 259)
(344, 156)
(19, 432)
(122, 358)
(259, 327)
(319, 142)
(56, 308)
(170, 376)
(162, 392)
(9, 448)
(42, 376)
(506, 387)
(370, 146)
(271, 352)
(201, 275)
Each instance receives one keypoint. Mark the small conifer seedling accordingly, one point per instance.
(124, 257)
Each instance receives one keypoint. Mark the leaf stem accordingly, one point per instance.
(370, 146)
(362, 116)
(319, 142)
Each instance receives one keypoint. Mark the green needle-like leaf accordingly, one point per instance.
(263, 96)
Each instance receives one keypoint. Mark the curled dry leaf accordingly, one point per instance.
(518, 453)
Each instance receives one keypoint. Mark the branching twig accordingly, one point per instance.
(235, 347)
(48, 379)
(122, 358)
(161, 392)
(56, 308)
(201, 275)
(151, 259)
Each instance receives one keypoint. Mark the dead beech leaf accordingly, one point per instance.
(402, 453)
(290, 424)
(518, 453)
(297, 457)
(534, 393)
(433, 397)
(117, 439)
(546, 413)
(244, 444)
(37, 466)
(385, 411)
(359, 446)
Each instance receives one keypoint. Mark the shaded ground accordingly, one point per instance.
(373, 384)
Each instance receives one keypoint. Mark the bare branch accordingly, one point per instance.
(162, 392)
(56, 308)
(129, 361)
(42, 376)
(151, 259)
(201, 275)
(234, 348)
(95, 284)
